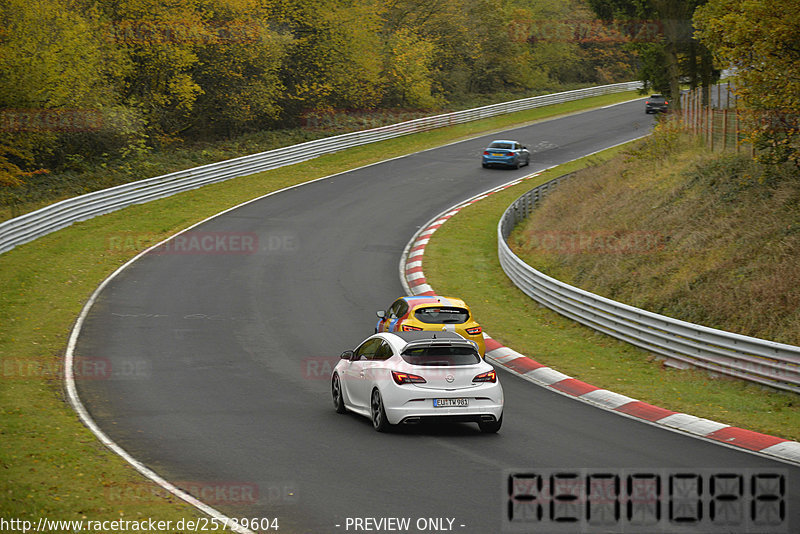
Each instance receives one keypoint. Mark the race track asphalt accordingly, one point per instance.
(222, 358)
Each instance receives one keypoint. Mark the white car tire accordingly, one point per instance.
(378, 413)
(336, 391)
(493, 427)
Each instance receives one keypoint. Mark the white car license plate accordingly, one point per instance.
(496, 154)
(449, 403)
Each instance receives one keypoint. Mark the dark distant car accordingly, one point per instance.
(506, 153)
(656, 104)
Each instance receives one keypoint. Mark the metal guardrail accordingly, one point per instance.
(59, 215)
(757, 360)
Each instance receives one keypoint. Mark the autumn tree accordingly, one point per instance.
(566, 44)
(485, 47)
(160, 40)
(440, 32)
(149, 73)
(409, 83)
(56, 83)
(335, 58)
(238, 69)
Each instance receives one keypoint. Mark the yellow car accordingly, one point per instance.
(431, 313)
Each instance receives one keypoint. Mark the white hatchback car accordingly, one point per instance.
(407, 377)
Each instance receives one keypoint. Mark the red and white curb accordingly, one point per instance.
(415, 283)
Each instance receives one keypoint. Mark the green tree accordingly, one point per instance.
(672, 57)
(760, 40)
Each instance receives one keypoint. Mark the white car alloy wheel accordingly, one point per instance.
(379, 420)
(336, 391)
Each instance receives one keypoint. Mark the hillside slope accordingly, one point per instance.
(709, 238)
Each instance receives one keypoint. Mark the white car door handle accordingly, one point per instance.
(362, 374)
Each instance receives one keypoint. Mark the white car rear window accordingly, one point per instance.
(441, 356)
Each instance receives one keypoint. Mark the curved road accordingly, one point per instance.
(221, 360)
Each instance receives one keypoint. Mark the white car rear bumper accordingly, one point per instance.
(405, 404)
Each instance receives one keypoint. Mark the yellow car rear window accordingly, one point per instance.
(441, 315)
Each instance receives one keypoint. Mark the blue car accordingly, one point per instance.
(506, 153)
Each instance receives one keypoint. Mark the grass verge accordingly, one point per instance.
(517, 321)
(708, 238)
(52, 466)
